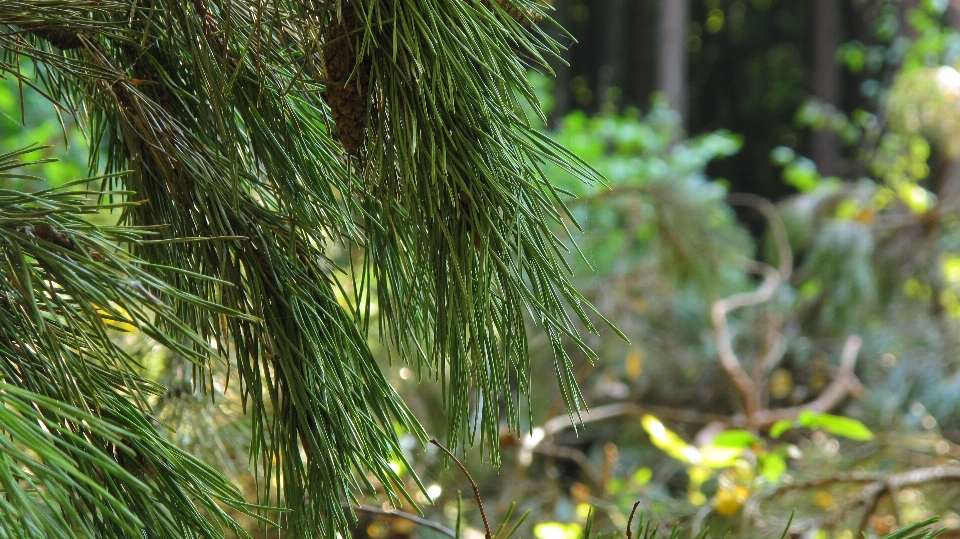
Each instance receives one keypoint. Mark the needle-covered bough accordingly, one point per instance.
(240, 140)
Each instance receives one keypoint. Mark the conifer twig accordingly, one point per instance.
(630, 520)
(476, 490)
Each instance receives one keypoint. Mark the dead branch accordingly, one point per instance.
(476, 490)
(626, 409)
(746, 388)
(844, 383)
(404, 515)
(876, 485)
(777, 228)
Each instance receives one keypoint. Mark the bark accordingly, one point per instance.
(674, 17)
(642, 41)
(953, 14)
(561, 89)
(825, 145)
(611, 71)
(591, 51)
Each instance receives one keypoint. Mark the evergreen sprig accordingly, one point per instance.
(237, 119)
(81, 454)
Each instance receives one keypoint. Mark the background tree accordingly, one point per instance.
(240, 142)
(672, 54)
(825, 75)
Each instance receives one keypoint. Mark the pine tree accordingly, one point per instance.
(239, 141)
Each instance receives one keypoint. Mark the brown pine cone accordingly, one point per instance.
(348, 81)
(525, 16)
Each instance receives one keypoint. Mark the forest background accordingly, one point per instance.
(778, 241)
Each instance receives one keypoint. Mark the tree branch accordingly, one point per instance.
(745, 386)
(876, 485)
(404, 515)
(777, 228)
(476, 490)
(844, 384)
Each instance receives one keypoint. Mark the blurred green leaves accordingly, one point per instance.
(653, 184)
(834, 424)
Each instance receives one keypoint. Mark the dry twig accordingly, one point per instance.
(630, 520)
(404, 515)
(876, 486)
(476, 490)
(844, 383)
(751, 389)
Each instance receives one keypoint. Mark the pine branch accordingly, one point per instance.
(233, 124)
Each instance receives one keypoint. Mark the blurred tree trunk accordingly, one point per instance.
(641, 60)
(953, 14)
(611, 79)
(672, 53)
(591, 51)
(561, 89)
(905, 27)
(825, 72)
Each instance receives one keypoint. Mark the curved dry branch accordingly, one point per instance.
(435, 526)
(745, 386)
(876, 485)
(476, 490)
(622, 409)
(845, 383)
(777, 228)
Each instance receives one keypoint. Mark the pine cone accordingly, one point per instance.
(348, 99)
(61, 38)
(527, 17)
(52, 235)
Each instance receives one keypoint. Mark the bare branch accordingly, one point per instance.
(476, 490)
(844, 384)
(777, 228)
(612, 411)
(744, 385)
(773, 356)
(876, 485)
(404, 515)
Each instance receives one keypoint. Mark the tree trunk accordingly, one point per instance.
(953, 14)
(641, 83)
(906, 28)
(561, 88)
(672, 53)
(824, 145)
(611, 71)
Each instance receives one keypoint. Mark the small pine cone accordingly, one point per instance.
(96, 255)
(61, 38)
(348, 99)
(52, 235)
(527, 17)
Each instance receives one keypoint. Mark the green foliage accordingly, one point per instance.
(82, 455)
(834, 424)
(216, 128)
(654, 184)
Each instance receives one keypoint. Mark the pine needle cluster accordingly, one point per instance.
(239, 140)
